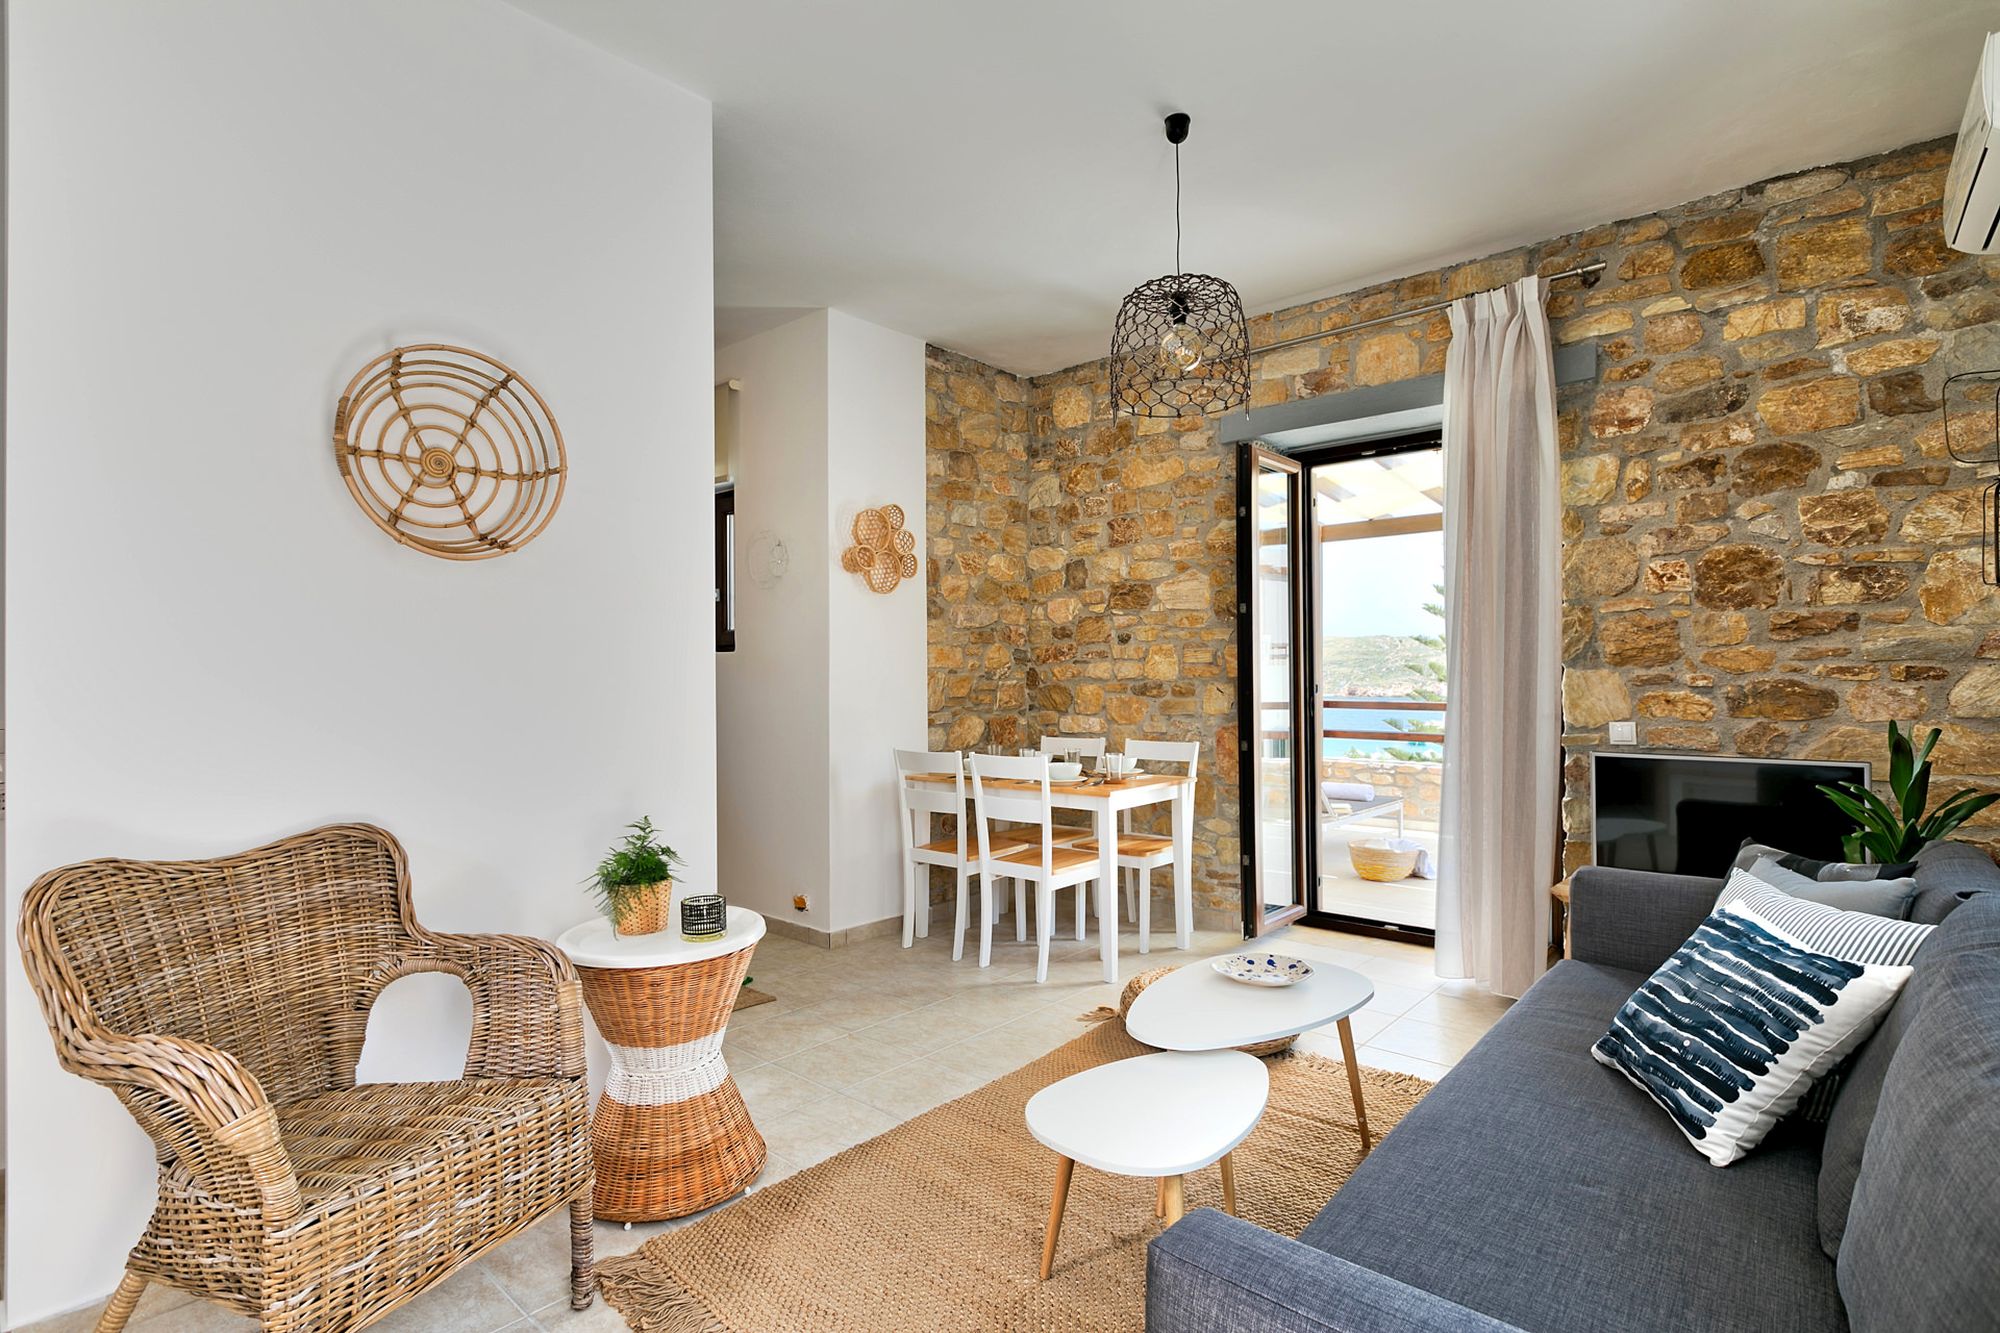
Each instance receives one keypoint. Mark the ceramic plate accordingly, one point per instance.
(1263, 969)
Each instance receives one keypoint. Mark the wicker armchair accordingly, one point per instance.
(225, 1002)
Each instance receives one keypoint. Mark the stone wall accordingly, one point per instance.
(1767, 550)
(976, 458)
(1420, 785)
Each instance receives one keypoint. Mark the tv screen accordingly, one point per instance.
(1688, 815)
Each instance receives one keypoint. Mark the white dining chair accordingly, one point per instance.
(1043, 863)
(1140, 854)
(1084, 747)
(957, 851)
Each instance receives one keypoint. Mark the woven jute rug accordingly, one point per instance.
(748, 998)
(937, 1224)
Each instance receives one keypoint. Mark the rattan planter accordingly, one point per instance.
(644, 910)
(1380, 862)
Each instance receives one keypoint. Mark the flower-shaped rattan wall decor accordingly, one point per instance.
(449, 451)
(884, 551)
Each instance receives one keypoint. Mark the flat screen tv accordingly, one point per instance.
(1688, 814)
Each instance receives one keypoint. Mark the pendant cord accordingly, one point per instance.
(1177, 208)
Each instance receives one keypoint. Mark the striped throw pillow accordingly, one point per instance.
(1732, 1031)
(1857, 937)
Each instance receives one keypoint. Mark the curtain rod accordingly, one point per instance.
(1588, 272)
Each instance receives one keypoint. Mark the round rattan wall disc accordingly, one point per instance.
(449, 451)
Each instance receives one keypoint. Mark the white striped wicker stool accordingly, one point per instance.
(672, 1135)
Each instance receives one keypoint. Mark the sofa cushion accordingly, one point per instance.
(1540, 1188)
(1948, 873)
(1925, 1225)
(1973, 928)
(1877, 896)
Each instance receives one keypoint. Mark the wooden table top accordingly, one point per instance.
(1080, 787)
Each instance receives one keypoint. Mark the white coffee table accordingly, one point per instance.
(1196, 1008)
(1157, 1116)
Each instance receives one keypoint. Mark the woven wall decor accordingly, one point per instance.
(884, 551)
(449, 451)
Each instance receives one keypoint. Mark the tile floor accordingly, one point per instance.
(865, 1037)
(1404, 902)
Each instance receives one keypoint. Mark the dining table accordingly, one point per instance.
(1104, 799)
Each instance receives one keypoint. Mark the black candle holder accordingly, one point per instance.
(704, 916)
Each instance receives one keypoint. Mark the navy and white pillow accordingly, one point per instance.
(1824, 918)
(1768, 994)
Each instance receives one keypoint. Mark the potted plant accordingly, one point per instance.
(1897, 832)
(634, 883)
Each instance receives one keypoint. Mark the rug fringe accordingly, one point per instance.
(1097, 1015)
(650, 1300)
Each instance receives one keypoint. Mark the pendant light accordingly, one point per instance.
(1181, 346)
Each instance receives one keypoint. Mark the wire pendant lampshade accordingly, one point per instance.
(1180, 346)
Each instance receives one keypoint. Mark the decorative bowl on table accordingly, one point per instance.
(1065, 772)
(1263, 969)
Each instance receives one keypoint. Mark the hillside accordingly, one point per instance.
(1380, 666)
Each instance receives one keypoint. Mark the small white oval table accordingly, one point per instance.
(1196, 1008)
(671, 1135)
(1153, 1116)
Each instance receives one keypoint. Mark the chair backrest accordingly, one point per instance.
(1088, 747)
(1166, 752)
(273, 955)
(1017, 805)
(920, 800)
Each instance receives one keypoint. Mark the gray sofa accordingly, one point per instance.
(1535, 1189)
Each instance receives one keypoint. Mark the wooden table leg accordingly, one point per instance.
(1064, 1169)
(1229, 1184)
(1160, 1197)
(1176, 1199)
(1354, 1083)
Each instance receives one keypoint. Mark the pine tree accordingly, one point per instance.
(1433, 669)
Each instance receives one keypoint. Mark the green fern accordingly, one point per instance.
(640, 860)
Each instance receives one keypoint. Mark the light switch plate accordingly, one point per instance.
(1624, 733)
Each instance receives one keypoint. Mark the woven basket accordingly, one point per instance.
(644, 910)
(1380, 862)
(1138, 984)
(671, 1135)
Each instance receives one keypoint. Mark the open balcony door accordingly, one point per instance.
(1275, 726)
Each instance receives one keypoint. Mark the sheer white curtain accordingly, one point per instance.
(1502, 546)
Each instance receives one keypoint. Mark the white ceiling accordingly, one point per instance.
(992, 177)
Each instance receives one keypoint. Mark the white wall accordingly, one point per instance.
(827, 677)
(771, 692)
(877, 654)
(218, 211)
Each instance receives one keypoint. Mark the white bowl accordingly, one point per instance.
(1263, 969)
(1061, 772)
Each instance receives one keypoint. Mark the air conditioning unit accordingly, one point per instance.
(1972, 187)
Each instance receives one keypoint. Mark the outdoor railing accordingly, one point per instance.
(1386, 706)
(1390, 736)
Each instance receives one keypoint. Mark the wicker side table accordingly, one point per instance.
(672, 1135)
